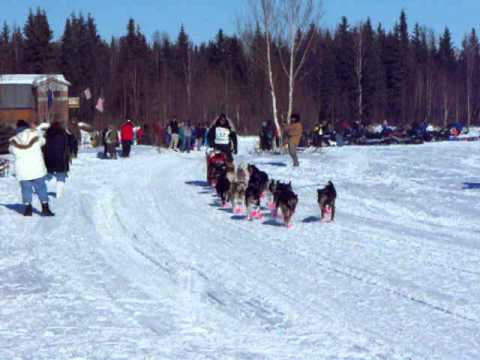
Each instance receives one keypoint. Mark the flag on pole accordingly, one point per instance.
(100, 103)
(87, 93)
(50, 98)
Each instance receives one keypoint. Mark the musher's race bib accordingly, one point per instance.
(222, 136)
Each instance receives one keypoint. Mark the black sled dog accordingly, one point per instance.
(284, 199)
(256, 190)
(326, 201)
(222, 187)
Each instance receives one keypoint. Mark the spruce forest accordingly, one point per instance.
(359, 71)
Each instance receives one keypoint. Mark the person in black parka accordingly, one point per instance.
(57, 154)
(104, 143)
(222, 136)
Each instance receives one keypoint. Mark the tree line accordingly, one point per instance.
(355, 72)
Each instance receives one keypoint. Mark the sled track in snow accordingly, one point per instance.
(159, 271)
(354, 275)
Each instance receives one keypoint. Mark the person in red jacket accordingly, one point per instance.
(140, 134)
(126, 134)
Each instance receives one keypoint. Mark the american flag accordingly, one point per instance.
(100, 103)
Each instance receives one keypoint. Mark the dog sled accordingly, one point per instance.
(217, 162)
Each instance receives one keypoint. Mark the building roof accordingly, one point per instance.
(31, 79)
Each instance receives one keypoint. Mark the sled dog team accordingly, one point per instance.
(246, 187)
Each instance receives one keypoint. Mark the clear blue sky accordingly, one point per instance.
(202, 18)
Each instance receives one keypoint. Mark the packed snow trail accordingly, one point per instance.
(140, 262)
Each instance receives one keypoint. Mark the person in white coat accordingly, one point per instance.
(30, 169)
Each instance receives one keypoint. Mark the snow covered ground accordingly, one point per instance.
(140, 263)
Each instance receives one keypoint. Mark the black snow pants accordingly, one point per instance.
(126, 146)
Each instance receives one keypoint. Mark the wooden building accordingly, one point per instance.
(34, 98)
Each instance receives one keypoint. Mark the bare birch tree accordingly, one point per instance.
(471, 49)
(430, 77)
(264, 17)
(359, 59)
(297, 27)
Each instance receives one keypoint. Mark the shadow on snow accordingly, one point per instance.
(272, 163)
(198, 183)
(471, 186)
(310, 219)
(18, 208)
(273, 222)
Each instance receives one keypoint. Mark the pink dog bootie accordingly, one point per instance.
(237, 210)
(259, 215)
(328, 214)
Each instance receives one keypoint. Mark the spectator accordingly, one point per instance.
(200, 136)
(26, 147)
(126, 131)
(148, 135)
(140, 134)
(181, 135)
(187, 137)
(75, 137)
(294, 133)
(57, 152)
(174, 134)
(266, 137)
(104, 142)
(111, 139)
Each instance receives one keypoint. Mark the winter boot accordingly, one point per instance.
(60, 188)
(28, 210)
(46, 210)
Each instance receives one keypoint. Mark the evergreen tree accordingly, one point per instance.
(5, 50)
(420, 55)
(184, 67)
(70, 54)
(404, 67)
(469, 65)
(394, 75)
(131, 71)
(322, 80)
(370, 71)
(447, 63)
(380, 93)
(18, 50)
(345, 71)
(39, 51)
(401, 78)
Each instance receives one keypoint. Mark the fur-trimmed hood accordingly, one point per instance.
(26, 146)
